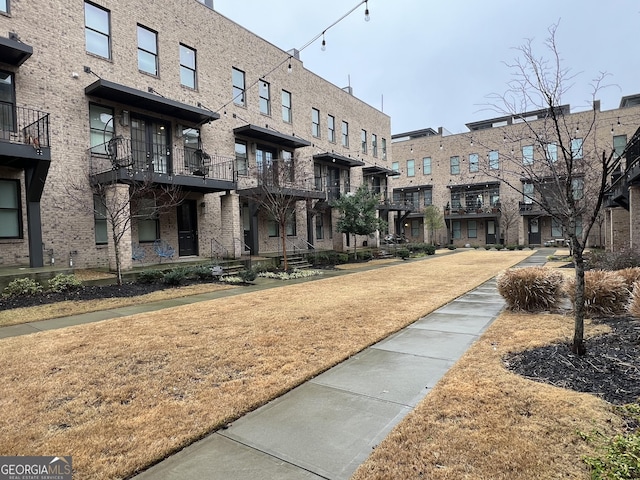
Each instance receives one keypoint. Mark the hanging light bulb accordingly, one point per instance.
(324, 44)
(289, 68)
(367, 17)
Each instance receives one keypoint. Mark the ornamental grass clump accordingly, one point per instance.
(605, 292)
(630, 275)
(634, 301)
(531, 289)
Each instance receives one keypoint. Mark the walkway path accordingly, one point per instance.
(327, 427)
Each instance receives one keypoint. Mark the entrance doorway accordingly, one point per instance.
(535, 237)
(187, 228)
(491, 232)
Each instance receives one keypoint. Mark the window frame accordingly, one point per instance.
(374, 145)
(287, 112)
(474, 163)
(552, 152)
(315, 122)
(16, 210)
(577, 145)
(239, 92)
(454, 165)
(472, 229)
(528, 193)
(291, 224)
(494, 160)
(100, 220)
(384, 148)
(319, 224)
(103, 134)
(363, 141)
(242, 162)
(345, 134)
(192, 71)
(331, 128)
(264, 92)
(411, 168)
(426, 166)
(395, 167)
(556, 228)
(456, 229)
(93, 30)
(7, 8)
(8, 117)
(427, 197)
(152, 218)
(527, 155)
(618, 148)
(141, 50)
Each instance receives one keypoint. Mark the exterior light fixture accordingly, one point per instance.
(324, 43)
(367, 17)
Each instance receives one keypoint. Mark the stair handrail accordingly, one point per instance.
(243, 246)
(222, 247)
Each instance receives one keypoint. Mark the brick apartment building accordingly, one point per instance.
(445, 170)
(99, 96)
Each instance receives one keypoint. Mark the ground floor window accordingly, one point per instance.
(273, 229)
(10, 211)
(148, 221)
(291, 224)
(415, 228)
(100, 220)
(472, 229)
(456, 230)
(556, 228)
(319, 227)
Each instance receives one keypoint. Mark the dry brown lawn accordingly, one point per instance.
(121, 394)
(483, 422)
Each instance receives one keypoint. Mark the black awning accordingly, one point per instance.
(14, 52)
(271, 136)
(376, 170)
(330, 157)
(115, 92)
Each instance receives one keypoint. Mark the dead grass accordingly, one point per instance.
(371, 263)
(119, 395)
(64, 309)
(483, 422)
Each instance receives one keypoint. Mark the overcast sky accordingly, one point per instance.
(433, 63)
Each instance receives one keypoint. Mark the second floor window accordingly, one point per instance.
(241, 157)
(428, 197)
(331, 128)
(363, 138)
(265, 98)
(374, 144)
(473, 163)
(619, 144)
(494, 160)
(395, 166)
(527, 155)
(101, 128)
(345, 134)
(187, 66)
(454, 165)
(286, 107)
(576, 148)
(426, 166)
(237, 78)
(411, 168)
(315, 122)
(552, 152)
(97, 28)
(527, 190)
(147, 50)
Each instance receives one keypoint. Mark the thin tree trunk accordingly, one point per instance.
(116, 248)
(578, 347)
(355, 247)
(283, 233)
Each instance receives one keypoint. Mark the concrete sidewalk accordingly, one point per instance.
(327, 427)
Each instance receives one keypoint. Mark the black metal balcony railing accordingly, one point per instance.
(24, 126)
(136, 157)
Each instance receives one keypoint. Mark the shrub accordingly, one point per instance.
(176, 276)
(451, 247)
(248, 275)
(403, 253)
(499, 246)
(530, 289)
(22, 287)
(426, 248)
(342, 258)
(488, 247)
(631, 275)
(613, 260)
(634, 301)
(63, 283)
(202, 272)
(519, 247)
(511, 248)
(150, 276)
(605, 292)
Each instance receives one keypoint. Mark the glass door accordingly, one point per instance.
(150, 145)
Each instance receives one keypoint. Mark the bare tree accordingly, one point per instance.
(567, 168)
(434, 221)
(509, 217)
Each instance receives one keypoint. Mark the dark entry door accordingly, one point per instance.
(491, 232)
(535, 238)
(187, 228)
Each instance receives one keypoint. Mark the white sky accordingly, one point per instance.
(433, 63)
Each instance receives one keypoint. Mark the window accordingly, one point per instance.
(100, 220)
(319, 227)
(579, 226)
(384, 148)
(395, 166)
(7, 102)
(472, 229)
(286, 107)
(147, 50)
(426, 166)
(374, 144)
(576, 148)
(345, 134)
(317, 177)
(10, 209)
(237, 77)
(97, 28)
(208, 3)
(288, 170)
(241, 157)
(265, 98)
(527, 155)
(456, 231)
(315, 122)
(148, 221)
(577, 187)
(428, 197)
(527, 190)
(291, 224)
(411, 168)
(552, 152)
(4, 6)
(454, 165)
(455, 201)
(619, 144)
(494, 160)
(415, 228)
(556, 228)
(193, 160)
(273, 229)
(101, 127)
(187, 66)
(474, 164)
(363, 141)
(331, 128)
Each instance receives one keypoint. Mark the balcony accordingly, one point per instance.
(278, 179)
(121, 160)
(480, 211)
(24, 136)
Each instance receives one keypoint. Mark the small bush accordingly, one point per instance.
(605, 292)
(177, 276)
(342, 258)
(488, 247)
(631, 275)
(248, 275)
(150, 276)
(613, 260)
(423, 248)
(202, 272)
(23, 287)
(63, 283)
(511, 248)
(451, 247)
(530, 289)
(519, 247)
(403, 253)
(499, 246)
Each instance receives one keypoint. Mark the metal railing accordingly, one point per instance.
(24, 125)
(216, 247)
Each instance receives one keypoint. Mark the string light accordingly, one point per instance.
(367, 17)
(324, 43)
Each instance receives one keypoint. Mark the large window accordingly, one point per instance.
(286, 107)
(7, 102)
(456, 230)
(101, 127)
(395, 166)
(237, 77)
(426, 166)
(363, 141)
(576, 148)
(528, 191)
(331, 128)
(4, 6)
(428, 197)
(97, 29)
(147, 50)
(319, 226)
(187, 66)
(411, 168)
(241, 157)
(415, 228)
(374, 144)
(474, 163)
(148, 221)
(345, 134)
(454, 165)
(619, 144)
(552, 152)
(291, 224)
(527, 155)
(315, 122)
(556, 228)
(265, 98)
(100, 220)
(10, 209)
(494, 160)
(577, 188)
(472, 229)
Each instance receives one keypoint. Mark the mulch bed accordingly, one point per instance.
(610, 369)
